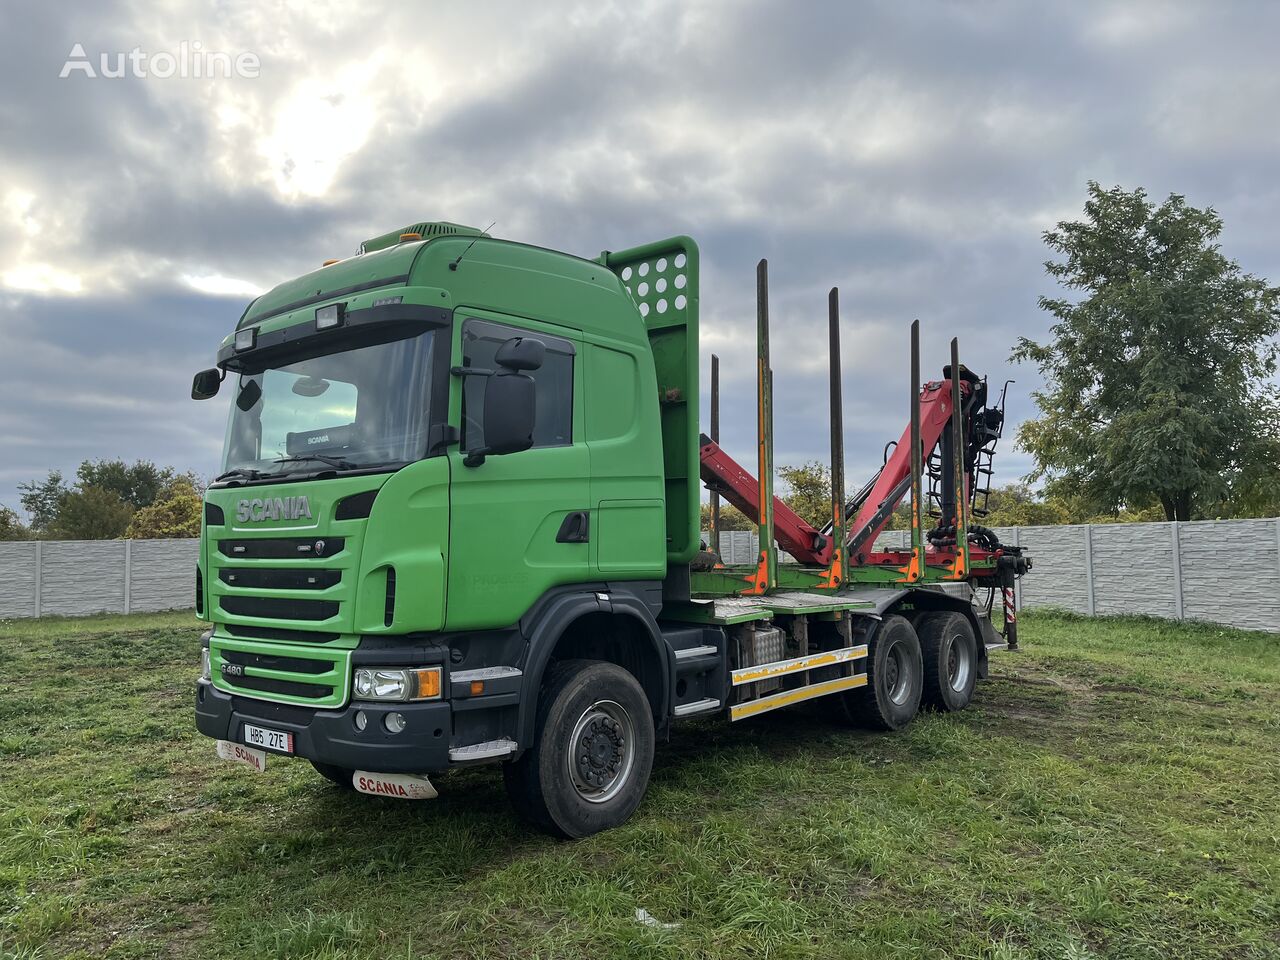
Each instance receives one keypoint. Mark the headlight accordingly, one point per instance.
(205, 671)
(396, 685)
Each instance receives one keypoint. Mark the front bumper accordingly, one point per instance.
(330, 736)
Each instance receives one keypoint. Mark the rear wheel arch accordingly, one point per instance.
(924, 602)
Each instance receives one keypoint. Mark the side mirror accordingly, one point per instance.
(521, 353)
(205, 384)
(510, 411)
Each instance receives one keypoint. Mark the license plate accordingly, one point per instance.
(406, 786)
(242, 754)
(264, 738)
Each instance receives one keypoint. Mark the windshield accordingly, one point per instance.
(361, 407)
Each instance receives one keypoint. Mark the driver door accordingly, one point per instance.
(511, 534)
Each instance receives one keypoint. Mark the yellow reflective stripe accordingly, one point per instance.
(788, 697)
(781, 667)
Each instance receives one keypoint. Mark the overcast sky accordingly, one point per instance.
(910, 153)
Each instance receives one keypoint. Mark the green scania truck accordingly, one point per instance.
(458, 522)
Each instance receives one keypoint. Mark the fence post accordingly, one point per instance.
(39, 565)
(1177, 570)
(128, 573)
(1088, 566)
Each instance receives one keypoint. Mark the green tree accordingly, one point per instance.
(91, 513)
(11, 525)
(1156, 374)
(176, 515)
(140, 483)
(42, 499)
(1017, 505)
(808, 491)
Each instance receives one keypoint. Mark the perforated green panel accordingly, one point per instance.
(662, 278)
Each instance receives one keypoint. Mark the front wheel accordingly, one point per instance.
(589, 765)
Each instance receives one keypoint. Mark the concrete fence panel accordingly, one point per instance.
(78, 577)
(1060, 577)
(163, 574)
(1231, 572)
(1133, 569)
(18, 584)
(82, 576)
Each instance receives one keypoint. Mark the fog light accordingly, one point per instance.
(246, 338)
(394, 722)
(362, 720)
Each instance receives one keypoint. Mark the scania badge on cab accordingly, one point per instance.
(458, 522)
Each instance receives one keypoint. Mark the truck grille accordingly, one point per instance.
(273, 579)
(279, 608)
(306, 676)
(271, 661)
(283, 606)
(290, 688)
(281, 548)
(278, 633)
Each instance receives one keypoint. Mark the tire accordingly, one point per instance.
(339, 776)
(895, 678)
(601, 709)
(950, 651)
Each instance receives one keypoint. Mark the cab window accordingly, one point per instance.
(553, 383)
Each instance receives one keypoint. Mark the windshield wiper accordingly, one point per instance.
(243, 473)
(339, 463)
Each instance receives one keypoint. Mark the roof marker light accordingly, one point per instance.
(330, 262)
(329, 316)
(410, 236)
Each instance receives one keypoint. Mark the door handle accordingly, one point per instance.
(575, 528)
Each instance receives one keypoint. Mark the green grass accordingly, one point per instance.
(1114, 792)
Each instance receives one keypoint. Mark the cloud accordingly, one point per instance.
(910, 155)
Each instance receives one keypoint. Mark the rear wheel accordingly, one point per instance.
(950, 659)
(589, 765)
(340, 776)
(895, 677)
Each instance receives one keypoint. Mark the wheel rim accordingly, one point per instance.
(959, 664)
(601, 751)
(899, 674)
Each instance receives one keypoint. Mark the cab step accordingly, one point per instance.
(483, 751)
(698, 706)
(703, 651)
